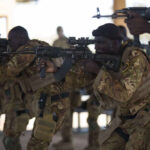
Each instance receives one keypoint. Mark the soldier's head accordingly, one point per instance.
(108, 39)
(123, 32)
(17, 37)
(60, 31)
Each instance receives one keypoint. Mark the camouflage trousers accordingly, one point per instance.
(138, 132)
(16, 115)
(66, 129)
(46, 126)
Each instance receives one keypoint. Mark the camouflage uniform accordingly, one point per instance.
(55, 110)
(48, 104)
(50, 120)
(94, 110)
(17, 114)
(10, 104)
(131, 127)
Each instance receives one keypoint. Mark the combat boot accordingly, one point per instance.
(11, 143)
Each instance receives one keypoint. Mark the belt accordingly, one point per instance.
(55, 98)
(20, 112)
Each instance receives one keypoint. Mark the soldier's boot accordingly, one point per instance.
(93, 137)
(11, 143)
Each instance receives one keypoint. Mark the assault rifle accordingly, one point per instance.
(82, 42)
(124, 13)
(79, 51)
(109, 61)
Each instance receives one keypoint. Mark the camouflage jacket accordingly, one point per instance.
(121, 87)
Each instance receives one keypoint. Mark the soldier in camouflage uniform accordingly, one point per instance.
(75, 101)
(62, 41)
(93, 105)
(47, 103)
(12, 104)
(22, 67)
(130, 128)
(53, 109)
(19, 109)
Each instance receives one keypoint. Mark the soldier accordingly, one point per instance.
(131, 127)
(15, 92)
(94, 107)
(53, 101)
(11, 95)
(22, 67)
(48, 102)
(62, 41)
(75, 101)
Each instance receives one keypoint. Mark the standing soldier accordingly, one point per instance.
(62, 41)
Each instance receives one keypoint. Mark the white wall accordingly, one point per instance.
(41, 18)
(6, 9)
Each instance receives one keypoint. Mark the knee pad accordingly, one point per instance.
(11, 143)
(44, 129)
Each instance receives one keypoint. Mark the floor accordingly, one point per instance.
(79, 141)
